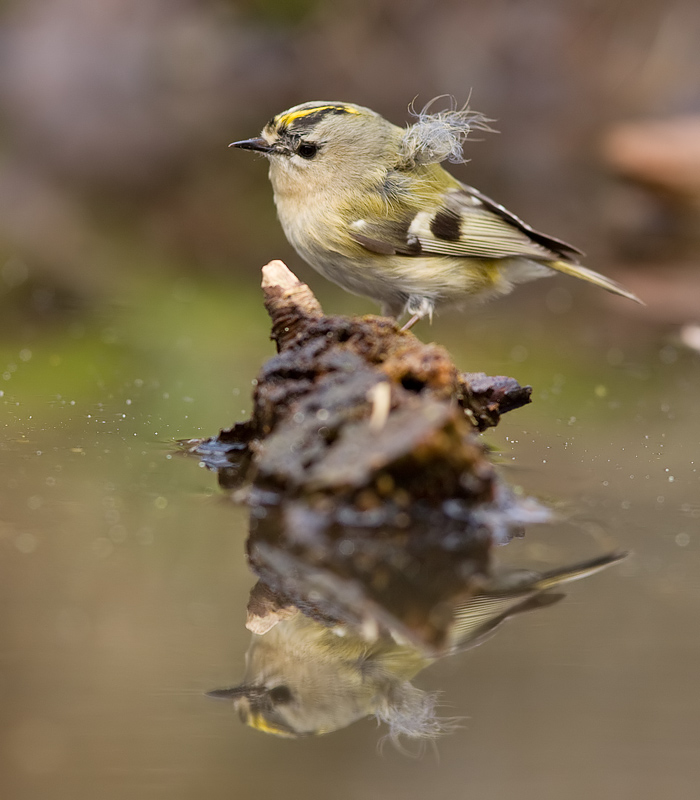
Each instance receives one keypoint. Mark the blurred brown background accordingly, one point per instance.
(116, 118)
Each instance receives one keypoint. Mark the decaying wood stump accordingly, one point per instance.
(358, 418)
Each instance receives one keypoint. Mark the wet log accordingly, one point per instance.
(361, 420)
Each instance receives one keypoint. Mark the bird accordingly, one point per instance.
(368, 205)
(307, 678)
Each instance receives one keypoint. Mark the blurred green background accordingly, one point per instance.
(131, 241)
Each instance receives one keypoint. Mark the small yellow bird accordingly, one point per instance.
(367, 204)
(305, 678)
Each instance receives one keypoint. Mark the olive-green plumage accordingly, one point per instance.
(368, 205)
(304, 678)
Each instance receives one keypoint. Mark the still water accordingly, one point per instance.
(124, 583)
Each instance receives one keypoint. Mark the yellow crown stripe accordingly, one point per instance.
(290, 117)
(259, 722)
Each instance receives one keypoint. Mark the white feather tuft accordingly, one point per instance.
(440, 136)
(412, 713)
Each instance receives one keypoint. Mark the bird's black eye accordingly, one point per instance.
(307, 150)
(280, 695)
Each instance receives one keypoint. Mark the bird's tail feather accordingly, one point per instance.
(578, 271)
(549, 580)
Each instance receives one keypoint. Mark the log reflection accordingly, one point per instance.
(344, 618)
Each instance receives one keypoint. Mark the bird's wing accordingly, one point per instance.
(514, 592)
(467, 224)
(477, 619)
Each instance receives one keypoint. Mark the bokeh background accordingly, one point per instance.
(116, 117)
(131, 241)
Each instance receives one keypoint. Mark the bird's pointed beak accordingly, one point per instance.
(230, 693)
(246, 690)
(259, 144)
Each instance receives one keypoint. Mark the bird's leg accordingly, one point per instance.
(418, 307)
(411, 322)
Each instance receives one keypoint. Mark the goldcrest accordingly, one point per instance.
(304, 678)
(367, 204)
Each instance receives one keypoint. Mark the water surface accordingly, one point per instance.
(124, 584)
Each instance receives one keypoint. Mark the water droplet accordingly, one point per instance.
(26, 542)
(668, 354)
(519, 353)
(102, 547)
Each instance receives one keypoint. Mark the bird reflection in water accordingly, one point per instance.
(344, 618)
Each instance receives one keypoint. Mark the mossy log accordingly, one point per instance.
(355, 416)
